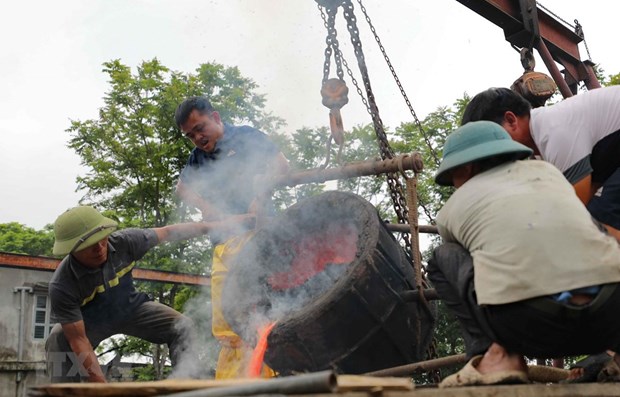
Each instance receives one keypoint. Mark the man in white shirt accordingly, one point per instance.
(579, 135)
(525, 273)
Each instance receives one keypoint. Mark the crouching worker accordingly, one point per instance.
(523, 266)
(93, 297)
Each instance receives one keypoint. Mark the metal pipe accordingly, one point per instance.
(406, 162)
(591, 81)
(317, 382)
(544, 53)
(399, 227)
(413, 295)
(422, 366)
(22, 326)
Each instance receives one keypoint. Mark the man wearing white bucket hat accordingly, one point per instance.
(93, 296)
(525, 273)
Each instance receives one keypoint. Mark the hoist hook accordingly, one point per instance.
(527, 59)
(335, 96)
(534, 86)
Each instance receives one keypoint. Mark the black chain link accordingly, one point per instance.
(400, 86)
(396, 189)
(332, 44)
(394, 185)
(577, 28)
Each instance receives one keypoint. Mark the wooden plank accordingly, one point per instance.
(345, 383)
(348, 386)
(138, 389)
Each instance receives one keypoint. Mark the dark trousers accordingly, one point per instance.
(151, 321)
(539, 327)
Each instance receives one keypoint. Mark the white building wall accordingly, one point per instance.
(17, 375)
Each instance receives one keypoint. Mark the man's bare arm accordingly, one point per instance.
(76, 336)
(585, 190)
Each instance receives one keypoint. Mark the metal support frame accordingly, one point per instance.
(557, 42)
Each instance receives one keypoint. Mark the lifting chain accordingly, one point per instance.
(395, 187)
(333, 90)
(400, 86)
(577, 28)
(332, 44)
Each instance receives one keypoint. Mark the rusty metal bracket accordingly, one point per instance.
(557, 42)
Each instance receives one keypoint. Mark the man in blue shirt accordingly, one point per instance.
(219, 180)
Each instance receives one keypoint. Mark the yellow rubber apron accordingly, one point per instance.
(234, 354)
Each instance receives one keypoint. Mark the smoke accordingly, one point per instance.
(290, 264)
(225, 180)
(324, 265)
(199, 354)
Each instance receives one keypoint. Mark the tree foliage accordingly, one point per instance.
(134, 152)
(20, 239)
(612, 79)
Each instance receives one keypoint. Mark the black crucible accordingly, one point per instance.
(330, 274)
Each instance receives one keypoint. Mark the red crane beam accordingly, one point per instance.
(520, 27)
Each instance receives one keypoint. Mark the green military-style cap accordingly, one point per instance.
(476, 140)
(79, 228)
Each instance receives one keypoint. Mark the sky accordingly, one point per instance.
(53, 51)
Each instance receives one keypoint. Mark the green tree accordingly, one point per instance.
(20, 239)
(134, 151)
(612, 79)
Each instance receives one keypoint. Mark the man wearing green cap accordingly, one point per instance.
(525, 273)
(93, 296)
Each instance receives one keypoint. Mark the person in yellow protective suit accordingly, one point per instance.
(218, 179)
(234, 353)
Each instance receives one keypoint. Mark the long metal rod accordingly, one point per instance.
(591, 81)
(430, 294)
(407, 162)
(22, 319)
(422, 366)
(317, 382)
(22, 326)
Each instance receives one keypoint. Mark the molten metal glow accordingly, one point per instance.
(258, 355)
(337, 245)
